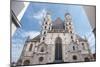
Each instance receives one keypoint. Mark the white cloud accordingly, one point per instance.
(19, 41)
(31, 34)
(23, 34)
(16, 51)
(39, 15)
(91, 39)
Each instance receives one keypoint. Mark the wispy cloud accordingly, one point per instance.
(39, 15)
(31, 34)
(91, 39)
(23, 34)
(19, 40)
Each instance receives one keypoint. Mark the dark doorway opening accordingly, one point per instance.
(86, 59)
(26, 62)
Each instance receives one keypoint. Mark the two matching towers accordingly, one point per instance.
(47, 25)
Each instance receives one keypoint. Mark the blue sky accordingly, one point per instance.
(32, 20)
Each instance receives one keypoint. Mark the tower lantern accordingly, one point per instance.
(68, 23)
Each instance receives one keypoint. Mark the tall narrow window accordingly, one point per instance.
(44, 33)
(73, 47)
(71, 37)
(70, 27)
(43, 38)
(69, 23)
(49, 28)
(58, 49)
(41, 59)
(83, 46)
(46, 23)
(30, 48)
(42, 49)
(70, 31)
(45, 27)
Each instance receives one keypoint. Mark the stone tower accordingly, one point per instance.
(46, 26)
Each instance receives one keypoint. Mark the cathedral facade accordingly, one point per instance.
(56, 43)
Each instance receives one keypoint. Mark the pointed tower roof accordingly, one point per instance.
(58, 21)
(58, 24)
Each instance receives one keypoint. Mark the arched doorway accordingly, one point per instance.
(74, 57)
(58, 50)
(26, 62)
(86, 59)
(41, 59)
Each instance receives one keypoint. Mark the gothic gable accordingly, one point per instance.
(42, 47)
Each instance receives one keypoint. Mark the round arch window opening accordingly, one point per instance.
(41, 59)
(74, 57)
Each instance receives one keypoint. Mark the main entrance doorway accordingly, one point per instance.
(58, 50)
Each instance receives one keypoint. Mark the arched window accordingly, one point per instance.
(41, 59)
(83, 46)
(71, 37)
(45, 27)
(70, 31)
(46, 23)
(43, 38)
(49, 28)
(30, 48)
(74, 57)
(73, 47)
(70, 27)
(26, 62)
(42, 49)
(44, 33)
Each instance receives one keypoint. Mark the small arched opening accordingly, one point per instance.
(86, 59)
(74, 57)
(41, 59)
(26, 62)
